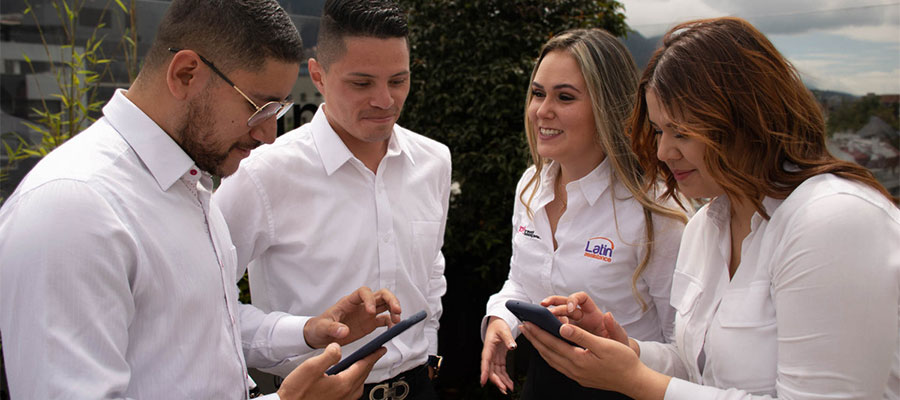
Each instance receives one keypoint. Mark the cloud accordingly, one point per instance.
(653, 18)
(825, 62)
(818, 74)
(769, 16)
(880, 33)
(824, 18)
(851, 46)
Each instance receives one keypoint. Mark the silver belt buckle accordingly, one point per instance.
(395, 391)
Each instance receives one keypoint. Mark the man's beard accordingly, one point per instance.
(197, 137)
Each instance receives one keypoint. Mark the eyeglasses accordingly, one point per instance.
(264, 112)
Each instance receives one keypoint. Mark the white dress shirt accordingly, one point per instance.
(812, 311)
(599, 247)
(314, 224)
(117, 277)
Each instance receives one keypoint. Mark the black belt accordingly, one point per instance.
(405, 384)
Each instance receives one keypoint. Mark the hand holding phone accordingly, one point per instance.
(376, 343)
(538, 315)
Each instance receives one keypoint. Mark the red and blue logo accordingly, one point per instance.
(600, 248)
(528, 233)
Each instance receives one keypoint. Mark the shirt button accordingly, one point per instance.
(387, 238)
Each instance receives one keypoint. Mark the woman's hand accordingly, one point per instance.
(580, 310)
(497, 341)
(601, 363)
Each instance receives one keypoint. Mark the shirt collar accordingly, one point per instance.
(595, 182)
(165, 160)
(720, 210)
(334, 152)
(591, 186)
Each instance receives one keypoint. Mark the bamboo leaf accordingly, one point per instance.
(69, 12)
(122, 6)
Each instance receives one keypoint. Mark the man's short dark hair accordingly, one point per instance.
(231, 33)
(382, 19)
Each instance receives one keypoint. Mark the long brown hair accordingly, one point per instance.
(725, 84)
(611, 76)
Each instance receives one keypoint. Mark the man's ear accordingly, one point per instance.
(186, 76)
(317, 75)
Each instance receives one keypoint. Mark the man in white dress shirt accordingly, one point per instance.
(117, 277)
(351, 198)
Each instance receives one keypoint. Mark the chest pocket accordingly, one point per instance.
(747, 331)
(685, 293)
(747, 308)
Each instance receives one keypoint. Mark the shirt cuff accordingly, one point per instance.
(287, 336)
(680, 389)
(431, 336)
(504, 314)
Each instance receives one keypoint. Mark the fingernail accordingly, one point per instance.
(511, 345)
(566, 330)
(570, 306)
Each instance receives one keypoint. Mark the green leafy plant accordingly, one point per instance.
(78, 66)
(471, 61)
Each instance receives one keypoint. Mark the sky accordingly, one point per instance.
(842, 45)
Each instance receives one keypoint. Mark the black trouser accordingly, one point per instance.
(414, 383)
(544, 382)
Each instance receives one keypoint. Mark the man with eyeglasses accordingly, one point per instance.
(351, 198)
(117, 274)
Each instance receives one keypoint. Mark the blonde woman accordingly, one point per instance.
(581, 220)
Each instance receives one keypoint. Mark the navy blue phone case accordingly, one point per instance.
(374, 344)
(538, 315)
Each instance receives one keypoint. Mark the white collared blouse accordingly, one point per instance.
(599, 246)
(812, 311)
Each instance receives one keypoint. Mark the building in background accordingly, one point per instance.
(39, 38)
(33, 43)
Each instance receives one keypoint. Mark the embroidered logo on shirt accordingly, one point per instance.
(528, 233)
(600, 248)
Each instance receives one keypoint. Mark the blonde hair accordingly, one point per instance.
(611, 77)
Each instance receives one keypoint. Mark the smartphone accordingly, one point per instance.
(376, 343)
(537, 315)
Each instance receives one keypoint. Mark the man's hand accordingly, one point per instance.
(352, 317)
(308, 380)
